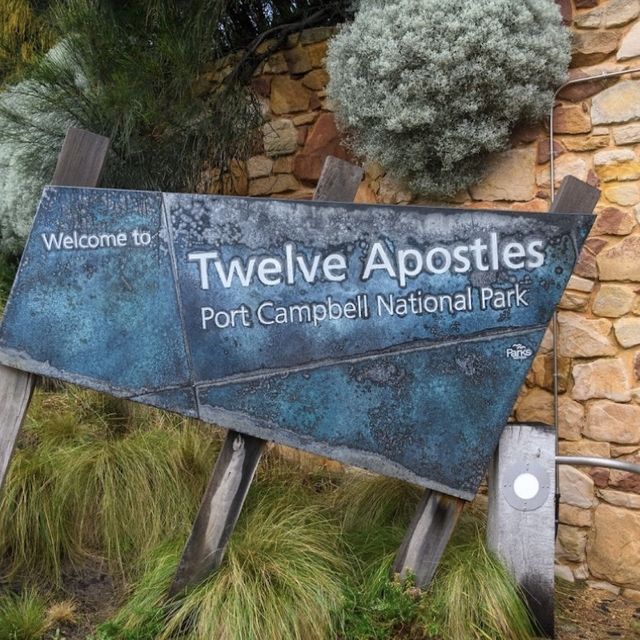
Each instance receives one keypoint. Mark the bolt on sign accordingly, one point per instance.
(390, 338)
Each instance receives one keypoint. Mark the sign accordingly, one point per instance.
(391, 338)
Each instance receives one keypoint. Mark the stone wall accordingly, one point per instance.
(597, 125)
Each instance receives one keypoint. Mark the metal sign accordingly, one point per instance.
(391, 338)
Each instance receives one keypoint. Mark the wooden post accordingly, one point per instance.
(521, 522)
(427, 537)
(80, 163)
(234, 470)
(437, 514)
(522, 536)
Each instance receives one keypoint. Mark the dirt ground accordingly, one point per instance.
(593, 614)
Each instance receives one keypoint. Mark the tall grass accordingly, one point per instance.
(282, 579)
(96, 478)
(87, 482)
(475, 598)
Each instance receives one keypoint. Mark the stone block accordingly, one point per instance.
(571, 119)
(510, 177)
(629, 134)
(322, 140)
(627, 331)
(575, 517)
(614, 547)
(585, 447)
(317, 53)
(618, 104)
(576, 488)
(259, 166)
(573, 301)
(613, 422)
(280, 137)
(542, 372)
(626, 194)
(612, 221)
(581, 337)
(571, 544)
(620, 498)
(316, 79)
(565, 165)
(617, 164)
(570, 418)
(585, 143)
(272, 184)
(288, 95)
(613, 300)
(630, 45)
(297, 60)
(621, 261)
(605, 378)
(615, 14)
(535, 406)
(591, 47)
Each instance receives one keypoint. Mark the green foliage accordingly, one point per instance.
(309, 559)
(23, 35)
(22, 616)
(281, 580)
(474, 597)
(139, 73)
(428, 88)
(129, 71)
(92, 484)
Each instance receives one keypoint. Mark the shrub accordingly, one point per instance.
(428, 88)
(281, 580)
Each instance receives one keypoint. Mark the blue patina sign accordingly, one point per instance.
(391, 338)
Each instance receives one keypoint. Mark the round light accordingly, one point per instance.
(526, 486)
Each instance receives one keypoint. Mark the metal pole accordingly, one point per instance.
(591, 461)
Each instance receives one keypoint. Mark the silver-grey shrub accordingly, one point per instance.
(428, 88)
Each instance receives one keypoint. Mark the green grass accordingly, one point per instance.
(282, 579)
(22, 616)
(95, 478)
(92, 481)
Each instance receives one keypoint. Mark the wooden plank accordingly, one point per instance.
(575, 196)
(80, 163)
(525, 540)
(81, 160)
(220, 510)
(16, 388)
(521, 521)
(339, 181)
(427, 536)
(235, 468)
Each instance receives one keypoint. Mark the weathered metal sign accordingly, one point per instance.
(391, 338)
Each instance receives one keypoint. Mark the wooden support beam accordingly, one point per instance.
(437, 514)
(521, 522)
(240, 455)
(80, 163)
(427, 537)
(220, 510)
(523, 536)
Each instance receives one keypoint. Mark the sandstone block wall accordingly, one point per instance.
(597, 127)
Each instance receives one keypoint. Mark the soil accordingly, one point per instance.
(593, 614)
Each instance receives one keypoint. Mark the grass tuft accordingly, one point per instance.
(282, 579)
(22, 616)
(106, 485)
(474, 597)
